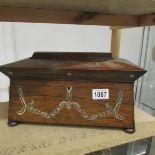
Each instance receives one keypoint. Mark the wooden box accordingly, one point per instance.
(90, 89)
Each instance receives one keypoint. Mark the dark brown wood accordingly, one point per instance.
(73, 56)
(130, 130)
(147, 20)
(47, 95)
(73, 66)
(56, 88)
(12, 123)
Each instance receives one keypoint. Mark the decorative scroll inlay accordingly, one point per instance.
(110, 110)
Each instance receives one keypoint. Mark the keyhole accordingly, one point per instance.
(69, 88)
(69, 92)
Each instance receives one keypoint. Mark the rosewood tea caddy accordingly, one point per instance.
(90, 89)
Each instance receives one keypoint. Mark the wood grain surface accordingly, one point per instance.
(96, 12)
(78, 66)
(56, 88)
(48, 94)
(37, 15)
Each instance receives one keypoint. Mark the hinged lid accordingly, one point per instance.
(73, 66)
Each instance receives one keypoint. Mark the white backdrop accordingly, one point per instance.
(20, 40)
(147, 92)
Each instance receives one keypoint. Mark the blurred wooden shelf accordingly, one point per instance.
(52, 139)
(87, 12)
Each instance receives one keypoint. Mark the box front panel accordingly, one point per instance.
(76, 103)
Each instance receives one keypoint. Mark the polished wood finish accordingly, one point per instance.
(73, 66)
(72, 56)
(48, 95)
(56, 88)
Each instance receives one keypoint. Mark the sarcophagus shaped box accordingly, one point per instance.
(89, 89)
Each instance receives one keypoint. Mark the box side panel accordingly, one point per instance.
(71, 103)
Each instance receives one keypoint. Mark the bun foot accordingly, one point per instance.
(130, 130)
(12, 123)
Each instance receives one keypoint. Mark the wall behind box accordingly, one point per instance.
(20, 40)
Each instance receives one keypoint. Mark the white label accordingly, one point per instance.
(100, 94)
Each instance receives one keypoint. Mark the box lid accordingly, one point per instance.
(73, 66)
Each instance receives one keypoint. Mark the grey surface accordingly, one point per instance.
(140, 147)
